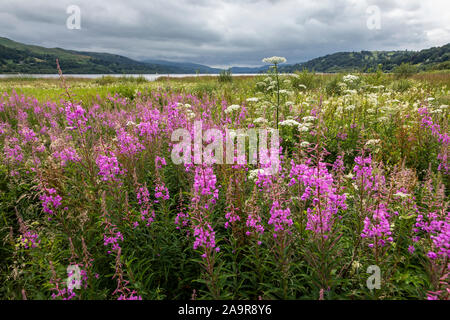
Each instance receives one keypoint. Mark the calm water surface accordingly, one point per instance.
(150, 77)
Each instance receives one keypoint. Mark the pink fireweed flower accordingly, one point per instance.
(231, 217)
(22, 116)
(146, 210)
(132, 296)
(443, 138)
(161, 192)
(433, 296)
(147, 130)
(205, 194)
(319, 188)
(109, 167)
(40, 148)
(50, 200)
(30, 240)
(441, 241)
(204, 236)
(377, 227)
(438, 229)
(111, 238)
(182, 219)
(28, 135)
(128, 144)
(205, 185)
(4, 127)
(364, 173)
(143, 196)
(264, 181)
(427, 122)
(342, 136)
(64, 293)
(338, 165)
(67, 154)
(254, 224)
(75, 117)
(14, 153)
(279, 218)
(160, 162)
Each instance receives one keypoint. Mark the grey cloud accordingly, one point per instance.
(227, 32)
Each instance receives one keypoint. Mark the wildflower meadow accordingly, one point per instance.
(352, 203)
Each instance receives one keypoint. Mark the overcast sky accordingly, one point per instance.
(228, 32)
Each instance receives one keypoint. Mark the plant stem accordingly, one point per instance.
(278, 91)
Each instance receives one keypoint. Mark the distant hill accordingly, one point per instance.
(433, 58)
(184, 67)
(187, 67)
(16, 57)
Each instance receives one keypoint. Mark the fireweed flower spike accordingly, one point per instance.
(443, 138)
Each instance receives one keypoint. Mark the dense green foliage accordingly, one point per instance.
(366, 61)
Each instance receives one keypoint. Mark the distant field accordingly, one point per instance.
(51, 88)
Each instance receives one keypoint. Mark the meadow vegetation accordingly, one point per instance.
(86, 179)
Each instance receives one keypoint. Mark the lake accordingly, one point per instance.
(150, 77)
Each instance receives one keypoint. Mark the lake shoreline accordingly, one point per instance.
(149, 77)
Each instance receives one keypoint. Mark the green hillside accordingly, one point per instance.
(21, 58)
(16, 57)
(427, 59)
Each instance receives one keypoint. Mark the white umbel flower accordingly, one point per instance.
(289, 123)
(232, 108)
(274, 60)
(350, 78)
(303, 127)
(309, 118)
(304, 144)
(260, 120)
(253, 174)
(190, 114)
(401, 194)
(372, 142)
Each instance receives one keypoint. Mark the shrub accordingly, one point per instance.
(401, 85)
(305, 80)
(333, 87)
(225, 76)
(405, 70)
